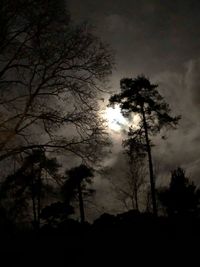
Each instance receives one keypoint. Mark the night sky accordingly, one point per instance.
(161, 40)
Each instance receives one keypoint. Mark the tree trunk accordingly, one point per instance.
(33, 202)
(134, 189)
(39, 184)
(81, 206)
(136, 199)
(151, 174)
(133, 183)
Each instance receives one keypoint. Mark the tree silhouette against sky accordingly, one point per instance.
(182, 196)
(139, 96)
(76, 185)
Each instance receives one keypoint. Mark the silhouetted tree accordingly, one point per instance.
(56, 213)
(76, 185)
(139, 96)
(51, 72)
(32, 182)
(182, 196)
(128, 187)
(136, 175)
(41, 170)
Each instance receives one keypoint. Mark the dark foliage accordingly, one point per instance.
(23, 191)
(182, 197)
(56, 213)
(76, 186)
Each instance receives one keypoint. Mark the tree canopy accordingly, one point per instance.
(182, 197)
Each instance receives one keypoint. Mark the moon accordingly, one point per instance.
(116, 121)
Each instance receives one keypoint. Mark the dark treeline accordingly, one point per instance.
(53, 140)
(37, 218)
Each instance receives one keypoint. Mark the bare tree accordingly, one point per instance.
(129, 189)
(51, 73)
(137, 169)
(128, 179)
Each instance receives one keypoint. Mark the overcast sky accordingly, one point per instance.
(160, 39)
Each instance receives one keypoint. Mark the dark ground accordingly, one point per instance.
(128, 239)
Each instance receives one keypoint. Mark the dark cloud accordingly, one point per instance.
(192, 82)
(147, 35)
(182, 145)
